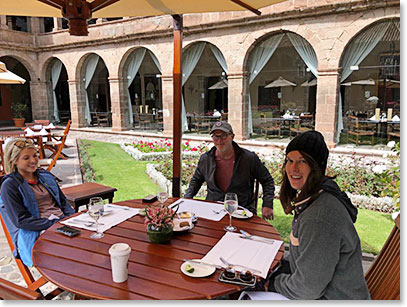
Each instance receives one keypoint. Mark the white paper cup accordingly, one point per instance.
(119, 258)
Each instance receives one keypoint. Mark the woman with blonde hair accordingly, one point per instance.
(31, 198)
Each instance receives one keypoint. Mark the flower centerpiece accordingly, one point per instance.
(159, 221)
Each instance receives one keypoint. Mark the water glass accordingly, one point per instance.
(162, 195)
(230, 207)
(95, 211)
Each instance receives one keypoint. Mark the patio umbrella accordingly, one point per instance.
(307, 83)
(7, 77)
(389, 83)
(280, 82)
(360, 82)
(79, 11)
(219, 85)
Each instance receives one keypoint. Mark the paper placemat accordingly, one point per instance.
(201, 209)
(113, 215)
(252, 254)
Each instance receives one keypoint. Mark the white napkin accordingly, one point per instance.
(287, 116)
(43, 132)
(372, 118)
(249, 253)
(37, 127)
(29, 132)
(201, 208)
(395, 118)
(113, 215)
(50, 126)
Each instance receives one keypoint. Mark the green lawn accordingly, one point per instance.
(114, 167)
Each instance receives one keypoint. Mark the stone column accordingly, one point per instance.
(35, 25)
(57, 24)
(168, 103)
(39, 100)
(77, 100)
(327, 104)
(120, 109)
(3, 22)
(237, 105)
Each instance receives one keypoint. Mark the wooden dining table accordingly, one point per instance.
(82, 265)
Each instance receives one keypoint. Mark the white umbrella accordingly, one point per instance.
(219, 85)
(7, 77)
(280, 82)
(307, 83)
(360, 82)
(364, 82)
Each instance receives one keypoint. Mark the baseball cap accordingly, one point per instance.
(223, 126)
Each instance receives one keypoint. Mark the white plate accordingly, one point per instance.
(185, 228)
(238, 214)
(200, 269)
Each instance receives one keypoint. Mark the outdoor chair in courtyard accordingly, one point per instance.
(302, 124)
(358, 132)
(54, 146)
(393, 130)
(271, 126)
(11, 291)
(383, 276)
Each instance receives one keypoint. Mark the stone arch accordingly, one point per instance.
(59, 97)
(21, 93)
(207, 85)
(285, 81)
(143, 96)
(95, 103)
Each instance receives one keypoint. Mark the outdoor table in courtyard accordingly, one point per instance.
(82, 265)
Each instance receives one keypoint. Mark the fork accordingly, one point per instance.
(218, 212)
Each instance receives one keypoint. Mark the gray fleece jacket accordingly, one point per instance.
(325, 254)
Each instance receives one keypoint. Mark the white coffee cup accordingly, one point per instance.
(119, 258)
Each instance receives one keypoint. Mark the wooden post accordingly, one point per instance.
(177, 83)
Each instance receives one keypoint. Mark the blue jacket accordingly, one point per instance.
(20, 212)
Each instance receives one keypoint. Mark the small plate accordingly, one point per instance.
(200, 270)
(239, 214)
(177, 222)
(187, 215)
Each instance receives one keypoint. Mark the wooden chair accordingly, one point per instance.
(145, 120)
(302, 124)
(393, 130)
(136, 120)
(383, 276)
(11, 291)
(202, 124)
(7, 291)
(356, 130)
(54, 146)
(273, 126)
(102, 119)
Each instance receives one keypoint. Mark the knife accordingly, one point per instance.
(203, 263)
(259, 239)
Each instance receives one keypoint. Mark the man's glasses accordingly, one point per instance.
(22, 144)
(222, 136)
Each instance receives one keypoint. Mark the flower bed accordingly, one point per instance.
(369, 184)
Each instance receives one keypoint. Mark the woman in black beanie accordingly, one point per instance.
(325, 259)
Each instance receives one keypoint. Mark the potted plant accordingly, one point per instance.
(159, 221)
(19, 109)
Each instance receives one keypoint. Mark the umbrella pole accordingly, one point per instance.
(177, 108)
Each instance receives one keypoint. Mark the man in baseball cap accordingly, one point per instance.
(228, 168)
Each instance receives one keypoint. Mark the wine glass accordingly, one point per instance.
(95, 211)
(98, 200)
(162, 195)
(230, 207)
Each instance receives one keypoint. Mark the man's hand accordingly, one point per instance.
(267, 213)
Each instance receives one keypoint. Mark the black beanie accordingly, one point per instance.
(313, 144)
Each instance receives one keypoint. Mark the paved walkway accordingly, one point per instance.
(69, 171)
